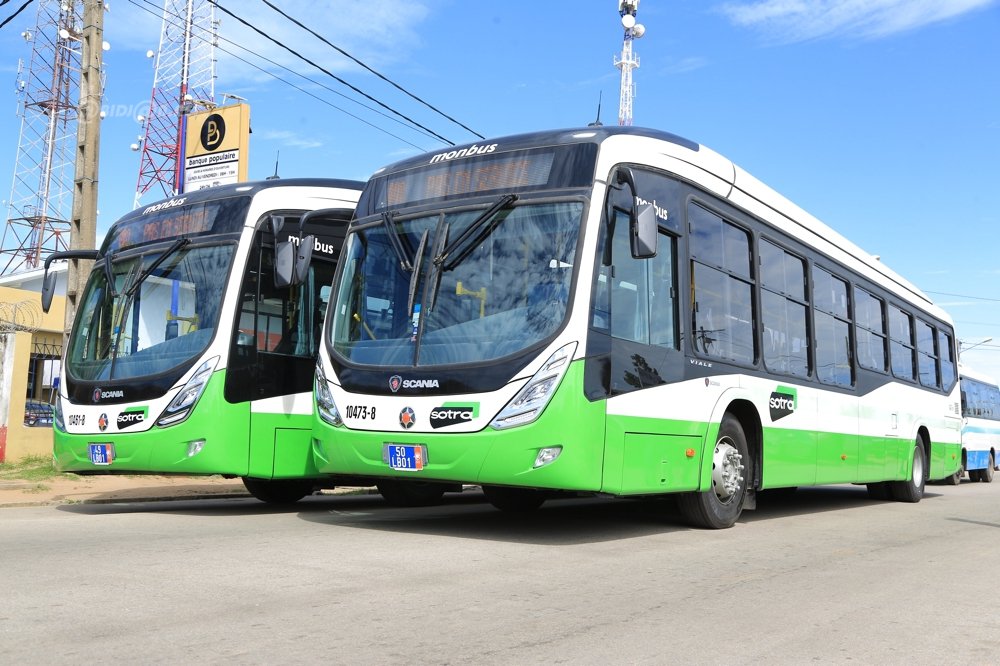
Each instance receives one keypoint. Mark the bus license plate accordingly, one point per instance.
(406, 457)
(102, 454)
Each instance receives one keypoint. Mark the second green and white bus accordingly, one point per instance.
(187, 354)
(624, 312)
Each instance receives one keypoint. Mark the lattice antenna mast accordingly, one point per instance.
(184, 78)
(41, 196)
(628, 61)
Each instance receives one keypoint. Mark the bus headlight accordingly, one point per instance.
(325, 405)
(183, 403)
(57, 415)
(530, 401)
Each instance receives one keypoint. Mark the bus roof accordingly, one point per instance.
(741, 183)
(251, 188)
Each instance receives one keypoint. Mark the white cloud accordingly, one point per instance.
(800, 20)
(290, 139)
(685, 65)
(377, 32)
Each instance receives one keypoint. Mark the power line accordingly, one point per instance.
(974, 298)
(14, 15)
(329, 73)
(300, 75)
(348, 55)
(158, 14)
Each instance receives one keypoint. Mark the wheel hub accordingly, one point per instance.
(727, 470)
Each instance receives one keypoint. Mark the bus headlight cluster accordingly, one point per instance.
(325, 405)
(57, 415)
(530, 401)
(183, 403)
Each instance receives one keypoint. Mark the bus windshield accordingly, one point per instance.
(420, 291)
(154, 306)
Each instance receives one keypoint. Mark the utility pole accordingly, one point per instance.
(83, 226)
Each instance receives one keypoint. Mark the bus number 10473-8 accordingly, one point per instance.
(360, 412)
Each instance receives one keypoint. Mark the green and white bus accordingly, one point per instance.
(624, 312)
(188, 354)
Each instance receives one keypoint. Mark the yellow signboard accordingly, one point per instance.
(216, 147)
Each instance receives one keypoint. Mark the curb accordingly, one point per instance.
(121, 500)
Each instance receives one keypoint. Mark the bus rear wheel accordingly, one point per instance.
(279, 491)
(913, 489)
(515, 500)
(411, 493)
(986, 475)
(956, 478)
(721, 506)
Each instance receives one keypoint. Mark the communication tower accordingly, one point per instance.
(628, 61)
(184, 80)
(41, 197)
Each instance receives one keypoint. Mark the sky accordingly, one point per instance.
(880, 117)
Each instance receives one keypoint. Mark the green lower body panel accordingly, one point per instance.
(217, 438)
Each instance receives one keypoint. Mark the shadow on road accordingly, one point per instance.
(467, 515)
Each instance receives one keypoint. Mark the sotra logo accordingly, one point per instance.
(407, 418)
(130, 417)
(452, 413)
(783, 402)
(102, 422)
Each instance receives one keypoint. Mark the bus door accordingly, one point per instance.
(275, 345)
(633, 346)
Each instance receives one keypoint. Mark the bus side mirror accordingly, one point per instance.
(284, 264)
(642, 219)
(48, 289)
(49, 279)
(643, 227)
(303, 258)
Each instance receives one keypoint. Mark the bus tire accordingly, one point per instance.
(279, 491)
(956, 478)
(410, 493)
(514, 500)
(879, 491)
(986, 475)
(720, 507)
(913, 489)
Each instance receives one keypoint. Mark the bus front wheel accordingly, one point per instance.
(279, 491)
(913, 489)
(721, 506)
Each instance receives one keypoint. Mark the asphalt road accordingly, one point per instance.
(823, 576)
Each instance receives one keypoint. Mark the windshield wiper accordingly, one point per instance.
(482, 227)
(434, 278)
(132, 284)
(395, 241)
(416, 273)
(177, 244)
(109, 275)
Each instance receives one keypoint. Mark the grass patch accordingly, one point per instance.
(33, 468)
